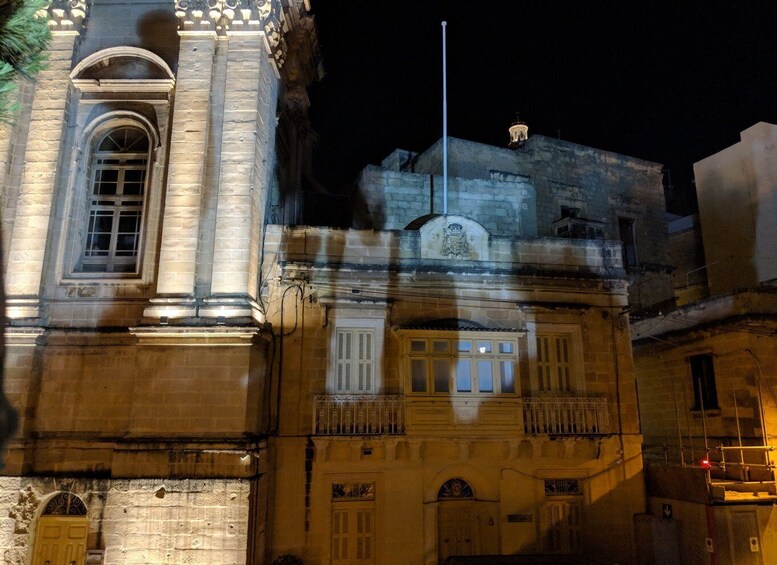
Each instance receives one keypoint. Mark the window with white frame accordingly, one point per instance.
(461, 363)
(117, 194)
(355, 360)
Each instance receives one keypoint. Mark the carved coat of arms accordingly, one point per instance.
(454, 241)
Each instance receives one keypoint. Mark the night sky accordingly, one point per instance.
(671, 82)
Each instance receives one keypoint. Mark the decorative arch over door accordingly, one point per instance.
(61, 532)
(456, 520)
(454, 489)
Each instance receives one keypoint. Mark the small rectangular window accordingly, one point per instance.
(705, 394)
(628, 242)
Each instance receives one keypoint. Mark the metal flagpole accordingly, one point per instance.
(444, 126)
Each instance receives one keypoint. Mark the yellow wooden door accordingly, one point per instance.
(353, 533)
(60, 540)
(458, 532)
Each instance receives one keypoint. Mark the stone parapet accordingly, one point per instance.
(404, 249)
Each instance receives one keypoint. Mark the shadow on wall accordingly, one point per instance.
(158, 32)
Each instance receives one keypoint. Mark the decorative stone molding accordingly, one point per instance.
(66, 16)
(454, 238)
(23, 511)
(226, 15)
(274, 19)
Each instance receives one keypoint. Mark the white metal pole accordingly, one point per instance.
(444, 126)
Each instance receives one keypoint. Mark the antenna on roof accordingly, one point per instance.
(444, 126)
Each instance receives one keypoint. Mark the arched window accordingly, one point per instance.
(117, 193)
(65, 504)
(455, 489)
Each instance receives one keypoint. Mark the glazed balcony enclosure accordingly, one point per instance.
(353, 414)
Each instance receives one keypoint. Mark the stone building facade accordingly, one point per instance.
(705, 371)
(462, 384)
(442, 395)
(546, 188)
(201, 381)
(135, 185)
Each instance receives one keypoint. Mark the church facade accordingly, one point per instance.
(202, 380)
(135, 185)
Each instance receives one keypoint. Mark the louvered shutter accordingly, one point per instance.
(364, 362)
(344, 360)
(355, 361)
(340, 536)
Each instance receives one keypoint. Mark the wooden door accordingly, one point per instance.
(563, 523)
(353, 533)
(60, 540)
(457, 529)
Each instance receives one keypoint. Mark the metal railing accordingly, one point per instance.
(566, 416)
(358, 414)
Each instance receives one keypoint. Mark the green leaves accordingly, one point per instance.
(24, 36)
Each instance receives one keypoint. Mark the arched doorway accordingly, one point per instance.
(457, 526)
(61, 532)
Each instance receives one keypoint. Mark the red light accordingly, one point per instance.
(705, 464)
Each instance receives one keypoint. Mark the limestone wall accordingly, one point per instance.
(137, 521)
(391, 200)
(521, 194)
(368, 247)
(507, 477)
(87, 399)
(735, 190)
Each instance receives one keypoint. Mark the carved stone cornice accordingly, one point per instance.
(275, 20)
(66, 16)
(225, 16)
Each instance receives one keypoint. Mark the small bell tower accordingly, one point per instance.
(519, 133)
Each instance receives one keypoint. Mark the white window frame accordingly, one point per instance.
(355, 361)
(453, 356)
(375, 328)
(574, 335)
(115, 206)
(78, 205)
(96, 106)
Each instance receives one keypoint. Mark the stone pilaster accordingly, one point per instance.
(246, 170)
(42, 159)
(186, 172)
(255, 32)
